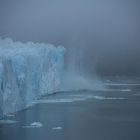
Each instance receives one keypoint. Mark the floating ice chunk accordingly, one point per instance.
(127, 90)
(108, 98)
(108, 81)
(10, 115)
(123, 90)
(36, 124)
(122, 84)
(137, 94)
(68, 100)
(8, 122)
(97, 97)
(57, 128)
(33, 125)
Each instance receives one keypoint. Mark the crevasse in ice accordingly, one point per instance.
(27, 71)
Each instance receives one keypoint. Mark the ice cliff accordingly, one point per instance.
(28, 71)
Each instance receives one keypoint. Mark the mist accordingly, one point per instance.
(101, 37)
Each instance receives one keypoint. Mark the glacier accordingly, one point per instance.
(27, 72)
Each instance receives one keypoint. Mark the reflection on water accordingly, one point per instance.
(110, 114)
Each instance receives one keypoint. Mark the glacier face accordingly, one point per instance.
(28, 71)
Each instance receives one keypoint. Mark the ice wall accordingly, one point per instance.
(27, 71)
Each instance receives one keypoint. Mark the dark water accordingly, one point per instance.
(112, 114)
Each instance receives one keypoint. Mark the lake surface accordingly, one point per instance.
(107, 114)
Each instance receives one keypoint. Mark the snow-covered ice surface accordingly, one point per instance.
(27, 71)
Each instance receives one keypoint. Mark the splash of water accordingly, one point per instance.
(74, 81)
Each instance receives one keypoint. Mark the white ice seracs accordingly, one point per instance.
(27, 71)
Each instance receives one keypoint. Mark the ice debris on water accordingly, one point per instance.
(10, 115)
(33, 125)
(57, 128)
(108, 98)
(8, 122)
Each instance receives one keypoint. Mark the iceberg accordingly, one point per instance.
(28, 71)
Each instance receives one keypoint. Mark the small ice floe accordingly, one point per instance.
(57, 128)
(7, 122)
(33, 125)
(10, 115)
(36, 124)
(82, 97)
(137, 94)
(122, 84)
(59, 100)
(108, 81)
(125, 90)
(108, 98)
(98, 97)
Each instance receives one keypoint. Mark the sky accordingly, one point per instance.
(99, 35)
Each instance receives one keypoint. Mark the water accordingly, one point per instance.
(110, 114)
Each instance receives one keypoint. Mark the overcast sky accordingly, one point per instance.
(101, 34)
